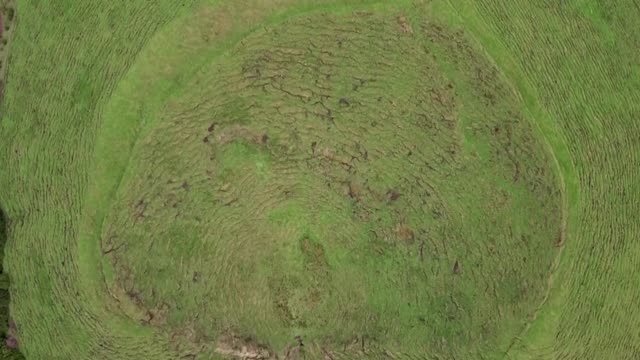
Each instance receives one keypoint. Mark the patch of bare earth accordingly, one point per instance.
(405, 27)
(245, 349)
(235, 347)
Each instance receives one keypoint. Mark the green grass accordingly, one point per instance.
(573, 74)
(184, 178)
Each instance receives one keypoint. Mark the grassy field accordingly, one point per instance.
(322, 179)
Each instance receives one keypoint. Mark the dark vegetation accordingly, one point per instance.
(8, 328)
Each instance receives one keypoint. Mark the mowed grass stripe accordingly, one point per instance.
(43, 267)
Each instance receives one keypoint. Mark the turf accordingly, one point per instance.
(322, 179)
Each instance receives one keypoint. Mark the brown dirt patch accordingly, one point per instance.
(405, 233)
(405, 27)
(246, 349)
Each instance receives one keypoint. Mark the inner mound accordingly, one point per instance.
(338, 183)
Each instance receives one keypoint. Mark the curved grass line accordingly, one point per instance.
(558, 149)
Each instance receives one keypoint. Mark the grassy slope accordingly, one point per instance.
(135, 107)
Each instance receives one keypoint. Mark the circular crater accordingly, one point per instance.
(339, 183)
